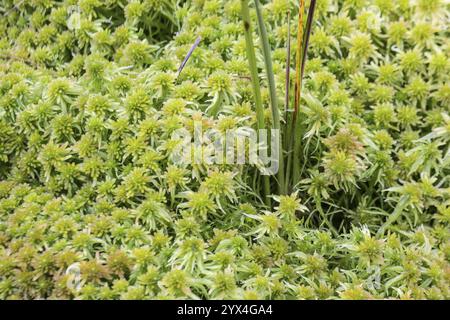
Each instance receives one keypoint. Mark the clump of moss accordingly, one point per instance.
(93, 205)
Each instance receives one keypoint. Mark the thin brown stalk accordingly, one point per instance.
(308, 28)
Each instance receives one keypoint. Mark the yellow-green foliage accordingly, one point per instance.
(90, 97)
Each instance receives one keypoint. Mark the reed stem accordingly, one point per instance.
(276, 123)
(251, 57)
(298, 86)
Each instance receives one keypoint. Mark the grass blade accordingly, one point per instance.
(288, 123)
(308, 28)
(299, 59)
(251, 57)
(272, 90)
(288, 67)
(191, 50)
(297, 136)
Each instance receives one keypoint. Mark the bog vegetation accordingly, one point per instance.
(92, 205)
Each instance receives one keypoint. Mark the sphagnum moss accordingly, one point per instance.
(89, 100)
